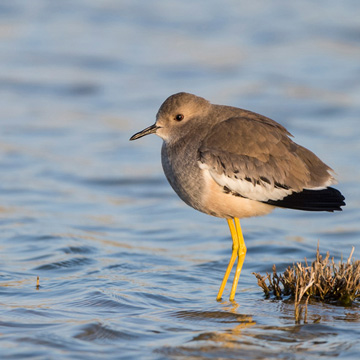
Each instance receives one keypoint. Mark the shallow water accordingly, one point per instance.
(126, 269)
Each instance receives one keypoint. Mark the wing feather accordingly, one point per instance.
(259, 161)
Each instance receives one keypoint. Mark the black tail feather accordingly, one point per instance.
(328, 199)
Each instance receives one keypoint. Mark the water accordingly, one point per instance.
(126, 269)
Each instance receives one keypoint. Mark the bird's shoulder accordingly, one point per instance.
(246, 133)
(236, 115)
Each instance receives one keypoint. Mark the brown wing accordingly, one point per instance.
(260, 153)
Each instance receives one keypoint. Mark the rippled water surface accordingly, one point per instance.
(126, 269)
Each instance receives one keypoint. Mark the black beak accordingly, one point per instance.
(149, 130)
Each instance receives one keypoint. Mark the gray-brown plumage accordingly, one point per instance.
(233, 163)
(216, 153)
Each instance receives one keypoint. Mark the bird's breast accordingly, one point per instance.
(179, 162)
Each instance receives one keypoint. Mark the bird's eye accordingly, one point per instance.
(179, 117)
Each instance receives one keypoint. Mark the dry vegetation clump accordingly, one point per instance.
(323, 280)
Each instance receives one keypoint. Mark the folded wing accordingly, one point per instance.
(259, 161)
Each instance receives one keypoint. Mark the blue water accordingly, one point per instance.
(126, 269)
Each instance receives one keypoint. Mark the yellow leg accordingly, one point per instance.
(234, 254)
(241, 257)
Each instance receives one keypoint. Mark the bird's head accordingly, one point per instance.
(178, 115)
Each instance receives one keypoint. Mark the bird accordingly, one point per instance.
(233, 163)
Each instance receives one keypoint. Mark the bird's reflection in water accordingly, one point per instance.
(229, 336)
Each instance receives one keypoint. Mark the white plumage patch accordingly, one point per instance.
(261, 191)
(329, 182)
